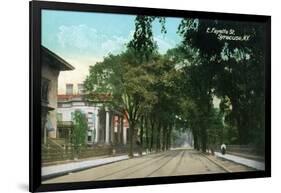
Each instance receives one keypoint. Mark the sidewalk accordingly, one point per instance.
(244, 161)
(247, 156)
(61, 169)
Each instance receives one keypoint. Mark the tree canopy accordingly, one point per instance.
(217, 60)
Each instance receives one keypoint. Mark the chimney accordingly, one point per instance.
(80, 88)
(69, 89)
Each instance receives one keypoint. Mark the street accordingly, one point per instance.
(170, 163)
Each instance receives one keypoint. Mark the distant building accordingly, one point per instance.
(51, 65)
(105, 126)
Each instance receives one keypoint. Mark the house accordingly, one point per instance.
(105, 126)
(51, 66)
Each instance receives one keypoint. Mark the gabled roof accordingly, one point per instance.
(55, 61)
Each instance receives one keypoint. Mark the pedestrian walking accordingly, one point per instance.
(223, 149)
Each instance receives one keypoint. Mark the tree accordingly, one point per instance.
(125, 76)
(215, 129)
(194, 85)
(80, 127)
(126, 83)
(143, 43)
(234, 54)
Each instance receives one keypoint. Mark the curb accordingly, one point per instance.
(58, 174)
(253, 167)
(50, 176)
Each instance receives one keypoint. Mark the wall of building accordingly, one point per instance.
(104, 124)
(52, 75)
(66, 111)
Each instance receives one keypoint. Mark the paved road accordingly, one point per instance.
(171, 163)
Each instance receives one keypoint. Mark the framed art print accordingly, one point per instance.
(125, 96)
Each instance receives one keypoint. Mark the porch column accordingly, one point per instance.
(124, 135)
(112, 129)
(97, 127)
(116, 129)
(107, 128)
(121, 130)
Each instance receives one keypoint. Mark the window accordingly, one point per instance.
(69, 89)
(45, 88)
(89, 136)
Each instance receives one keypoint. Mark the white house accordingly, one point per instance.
(105, 126)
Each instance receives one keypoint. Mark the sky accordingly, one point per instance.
(84, 38)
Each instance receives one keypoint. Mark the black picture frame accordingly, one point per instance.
(35, 184)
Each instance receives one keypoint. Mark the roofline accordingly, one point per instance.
(58, 58)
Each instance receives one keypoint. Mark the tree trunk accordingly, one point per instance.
(151, 135)
(196, 142)
(203, 137)
(158, 137)
(141, 132)
(146, 134)
(164, 138)
(204, 141)
(168, 137)
(131, 138)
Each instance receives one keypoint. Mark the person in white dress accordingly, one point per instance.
(223, 149)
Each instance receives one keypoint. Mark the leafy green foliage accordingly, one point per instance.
(164, 95)
(143, 43)
(230, 70)
(80, 127)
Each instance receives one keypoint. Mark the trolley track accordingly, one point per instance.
(171, 163)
